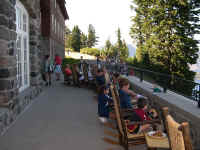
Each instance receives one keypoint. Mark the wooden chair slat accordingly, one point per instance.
(175, 135)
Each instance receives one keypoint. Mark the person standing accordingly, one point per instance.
(47, 70)
(57, 62)
(98, 62)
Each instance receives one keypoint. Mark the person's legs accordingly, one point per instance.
(57, 76)
(49, 78)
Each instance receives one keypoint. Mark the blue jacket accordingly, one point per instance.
(103, 107)
(100, 80)
(125, 100)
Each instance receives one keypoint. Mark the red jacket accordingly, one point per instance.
(143, 116)
(141, 113)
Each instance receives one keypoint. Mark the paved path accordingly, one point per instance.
(61, 118)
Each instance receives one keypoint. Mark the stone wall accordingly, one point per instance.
(9, 115)
(13, 103)
(59, 49)
(8, 86)
(183, 110)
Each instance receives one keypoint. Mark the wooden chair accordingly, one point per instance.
(125, 138)
(85, 72)
(74, 74)
(179, 134)
(107, 77)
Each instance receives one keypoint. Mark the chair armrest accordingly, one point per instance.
(126, 110)
(145, 122)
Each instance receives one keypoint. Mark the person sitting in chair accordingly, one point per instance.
(100, 77)
(141, 114)
(103, 103)
(125, 94)
(68, 75)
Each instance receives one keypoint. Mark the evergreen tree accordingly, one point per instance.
(68, 37)
(76, 39)
(121, 49)
(92, 38)
(124, 52)
(165, 32)
(83, 40)
(119, 41)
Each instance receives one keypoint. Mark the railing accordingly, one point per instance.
(187, 88)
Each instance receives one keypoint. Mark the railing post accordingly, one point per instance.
(198, 99)
(141, 76)
(165, 86)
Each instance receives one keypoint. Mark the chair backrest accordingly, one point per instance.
(74, 73)
(179, 136)
(117, 111)
(116, 92)
(85, 71)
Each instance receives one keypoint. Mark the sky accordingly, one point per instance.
(105, 15)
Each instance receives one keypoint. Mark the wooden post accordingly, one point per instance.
(186, 135)
(165, 113)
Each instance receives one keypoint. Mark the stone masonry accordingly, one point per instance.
(13, 102)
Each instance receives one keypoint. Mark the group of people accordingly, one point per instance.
(79, 70)
(50, 68)
(128, 100)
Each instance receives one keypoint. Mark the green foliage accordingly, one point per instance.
(69, 61)
(76, 39)
(84, 40)
(164, 31)
(68, 37)
(118, 50)
(69, 49)
(92, 38)
(90, 51)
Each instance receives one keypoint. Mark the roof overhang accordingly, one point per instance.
(63, 8)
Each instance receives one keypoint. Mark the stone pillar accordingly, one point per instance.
(33, 8)
(8, 67)
(35, 59)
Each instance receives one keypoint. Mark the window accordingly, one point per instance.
(22, 56)
(55, 3)
(24, 22)
(55, 25)
(58, 29)
(52, 19)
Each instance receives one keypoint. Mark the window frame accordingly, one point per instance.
(22, 55)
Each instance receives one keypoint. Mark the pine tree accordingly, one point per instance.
(165, 31)
(76, 39)
(121, 49)
(92, 38)
(124, 52)
(83, 40)
(68, 37)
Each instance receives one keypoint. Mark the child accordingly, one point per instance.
(68, 75)
(142, 115)
(103, 103)
(100, 78)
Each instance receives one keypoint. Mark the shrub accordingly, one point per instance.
(69, 61)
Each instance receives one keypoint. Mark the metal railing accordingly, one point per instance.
(186, 88)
